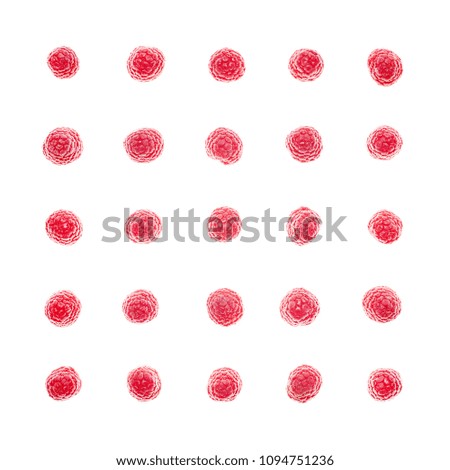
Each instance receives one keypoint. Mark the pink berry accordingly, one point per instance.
(382, 304)
(299, 307)
(145, 63)
(140, 306)
(303, 225)
(305, 144)
(384, 384)
(384, 143)
(304, 383)
(144, 383)
(63, 62)
(64, 227)
(62, 146)
(306, 65)
(63, 383)
(224, 384)
(225, 307)
(224, 224)
(385, 226)
(385, 66)
(144, 145)
(226, 65)
(63, 308)
(143, 226)
(224, 145)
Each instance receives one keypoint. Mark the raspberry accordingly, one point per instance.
(384, 384)
(384, 143)
(63, 383)
(226, 65)
(62, 146)
(144, 383)
(306, 65)
(224, 145)
(305, 144)
(145, 63)
(224, 224)
(63, 308)
(299, 307)
(382, 304)
(64, 227)
(385, 226)
(144, 145)
(143, 226)
(63, 62)
(385, 66)
(304, 383)
(303, 225)
(224, 384)
(225, 307)
(140, 306)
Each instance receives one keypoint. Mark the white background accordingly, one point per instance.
(104, 104)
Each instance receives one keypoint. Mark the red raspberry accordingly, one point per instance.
(224, 145)
(64, 227)
(224, 224)
(305, 144)
(382, 304)
(299, 307)
(144, 383)
(384, 384)
(62, 146)
(385, 66)
(225, 307)
(384, 143)
(226, 65)
(143, 226)
(303, 225)
(304, 383)
(63, 308)
(144, 145)
(385, 226)
(140, 306)
(145, 63)
(224, 384)
(63, 383)
(63, 62)
(306, 65)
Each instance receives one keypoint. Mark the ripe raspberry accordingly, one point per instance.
(62, 146)
(385, 226)
(303, 225)
(385, 66)
(384, 143)
(143, 226)
(299, 307)
(384, 384)
(63, 308)
(224, 224)
(224, 145)
(140, 306)
(63, 383)
(226, 65)
(305, 144)
(304, 383)
(306, 65)
(224, 384)
(144, 145)
(382, 304)
(63, 62)
(145, 63)
(64, 227)
(225, 307)
(144, 383)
